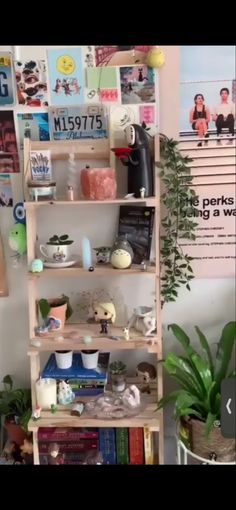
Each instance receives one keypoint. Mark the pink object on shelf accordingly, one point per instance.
(98, 183)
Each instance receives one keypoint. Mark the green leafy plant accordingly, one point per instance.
(117, 367)
(59, 240)
(178, 222)
(46, 305)
(199, 376)
(15, 404)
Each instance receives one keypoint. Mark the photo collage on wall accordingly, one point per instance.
(82, 91)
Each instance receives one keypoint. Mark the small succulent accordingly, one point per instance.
(117, 367)
(58, 240)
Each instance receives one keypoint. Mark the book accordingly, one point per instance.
(58, 434)
(148, 446)
(77, 369)
(41, 165)
(70, 447)
(136, 446)
(122, 445)
(107, 445)
(136, 224)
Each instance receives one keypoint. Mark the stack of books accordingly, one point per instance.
(84, 382)
(74, 443)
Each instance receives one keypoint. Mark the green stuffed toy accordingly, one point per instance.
(17, 239)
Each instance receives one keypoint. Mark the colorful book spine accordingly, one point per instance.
(122, 445)
(82, 446)
(148, 446)
(136, 446)
(88, 392)
(107, 445)
(66, 434)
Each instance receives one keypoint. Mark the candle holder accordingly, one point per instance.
(46, 393)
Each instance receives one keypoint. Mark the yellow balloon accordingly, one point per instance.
(155, 58)
(65, 64)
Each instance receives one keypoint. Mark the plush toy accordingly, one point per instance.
(155, 58)
(37, 266)
(17, 234)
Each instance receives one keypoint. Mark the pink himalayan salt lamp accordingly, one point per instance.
(98, 183)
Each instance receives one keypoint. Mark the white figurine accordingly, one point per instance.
(37, 413)
(142, 192)
(65, 393)
(131, 396)
(126, 333)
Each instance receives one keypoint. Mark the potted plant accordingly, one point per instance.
(55, 312)
(56, 249)
(15, 406)
(198, 401)
(118, 373)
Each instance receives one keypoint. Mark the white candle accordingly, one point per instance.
(46, 393)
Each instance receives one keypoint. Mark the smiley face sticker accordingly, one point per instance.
(66, 64)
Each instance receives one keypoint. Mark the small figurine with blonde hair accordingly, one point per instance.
(105, 313)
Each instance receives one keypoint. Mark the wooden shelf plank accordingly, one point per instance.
(62, 418)
(82, 149)
(72, 338)
(149, 201)
(99, 270)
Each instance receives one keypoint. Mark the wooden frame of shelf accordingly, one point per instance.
(72, 335)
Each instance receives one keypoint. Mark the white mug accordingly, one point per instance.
(55, 252)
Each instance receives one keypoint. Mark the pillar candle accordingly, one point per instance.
(46, 393)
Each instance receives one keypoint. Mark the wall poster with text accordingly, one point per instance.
(6, 79)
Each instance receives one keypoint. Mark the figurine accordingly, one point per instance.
(103, 254)
(27, 452)
(131, 396)
(53, 408)
(37, 266)
(148, 373)
(55, 458)
(126, 333)
(139, 161)
(65, 393)
(17, 239)
(144, 323)
(77, 409)
(121, 254)
(36, 413)
(105, 313)
(143, 266)
(142, 192)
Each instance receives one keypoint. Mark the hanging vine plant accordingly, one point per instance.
(178, 199)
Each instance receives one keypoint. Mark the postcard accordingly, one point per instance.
(31, 82)
(6, 80)
(6, 198)
(34, 126)
(66, 76)
(137, 84)
(120, 55)
(8, 145)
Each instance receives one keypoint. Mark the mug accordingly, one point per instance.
(55, 252)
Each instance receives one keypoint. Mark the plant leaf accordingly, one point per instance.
(224, 352)
(206, 348)
(203, 371)
(211, 418)
(7, 381)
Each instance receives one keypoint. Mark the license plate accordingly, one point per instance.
(77, 122)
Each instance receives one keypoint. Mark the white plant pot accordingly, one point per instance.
(64, 359)
(90, 359)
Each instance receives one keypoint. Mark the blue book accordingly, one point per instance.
(77, 369)
(107, 445)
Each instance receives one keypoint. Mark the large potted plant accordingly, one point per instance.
(198, 400)
(15, 406)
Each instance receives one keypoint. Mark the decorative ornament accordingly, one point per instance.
(155, 58)
(37, 266)
(17, 235)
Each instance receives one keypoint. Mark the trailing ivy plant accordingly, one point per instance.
(179, 200)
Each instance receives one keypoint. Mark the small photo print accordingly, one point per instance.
(120, 55)
(8, 145)
(34, 126)
(6, 79)
(6, 199)
(41, 167)
(31, 83)
(137, 85)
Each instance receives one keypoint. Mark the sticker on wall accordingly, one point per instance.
(122, 116)
(34, 126)
(120, 55)
(75, 122)
(102, 78)
(66, 76)
(137, 85)
(9, 160)
(31, 82)
(88, 56)
(147, 114)
(109, 95)
(6, 198)
(6, 79)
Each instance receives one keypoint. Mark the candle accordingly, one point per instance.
(46, 393)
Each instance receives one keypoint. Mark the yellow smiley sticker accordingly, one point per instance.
(65, 64)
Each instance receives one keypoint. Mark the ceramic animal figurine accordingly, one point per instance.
(65, 393)
(121, 254)
(77, 409)
(139, 161)
(126, 333)
(37, 266)
(144, 322)
(148, 373)
(105, 313)
(131, 396)
(103, 254)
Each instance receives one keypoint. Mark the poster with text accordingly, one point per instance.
(6, 199)
(207, 95)
(34, 126)
(8, 146)
(6, 79)
(137, 84)
(214, 249)
(31, 82)
(120, 55)
(77, 122)
(66, 76)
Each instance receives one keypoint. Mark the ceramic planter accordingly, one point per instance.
(57, 315)
(90, 359)
(64, 359)
(118, 382)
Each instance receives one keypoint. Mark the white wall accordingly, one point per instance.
(210, 304)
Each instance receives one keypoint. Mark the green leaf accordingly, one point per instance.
(188, 411)
(203, 370)
(188, 287)
(44, 308)
(7, 381)
(169, 398)
(206, 348)
(224, 353)
(178, 367)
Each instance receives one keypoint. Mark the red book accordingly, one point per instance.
(66, 434)
(79, 446)
(136, 446)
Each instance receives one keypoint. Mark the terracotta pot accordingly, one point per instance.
(216, 447)
(57, 316)
(15, 433)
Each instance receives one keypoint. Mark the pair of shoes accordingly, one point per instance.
(230, 142)
(199, 144)
(218, 142)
